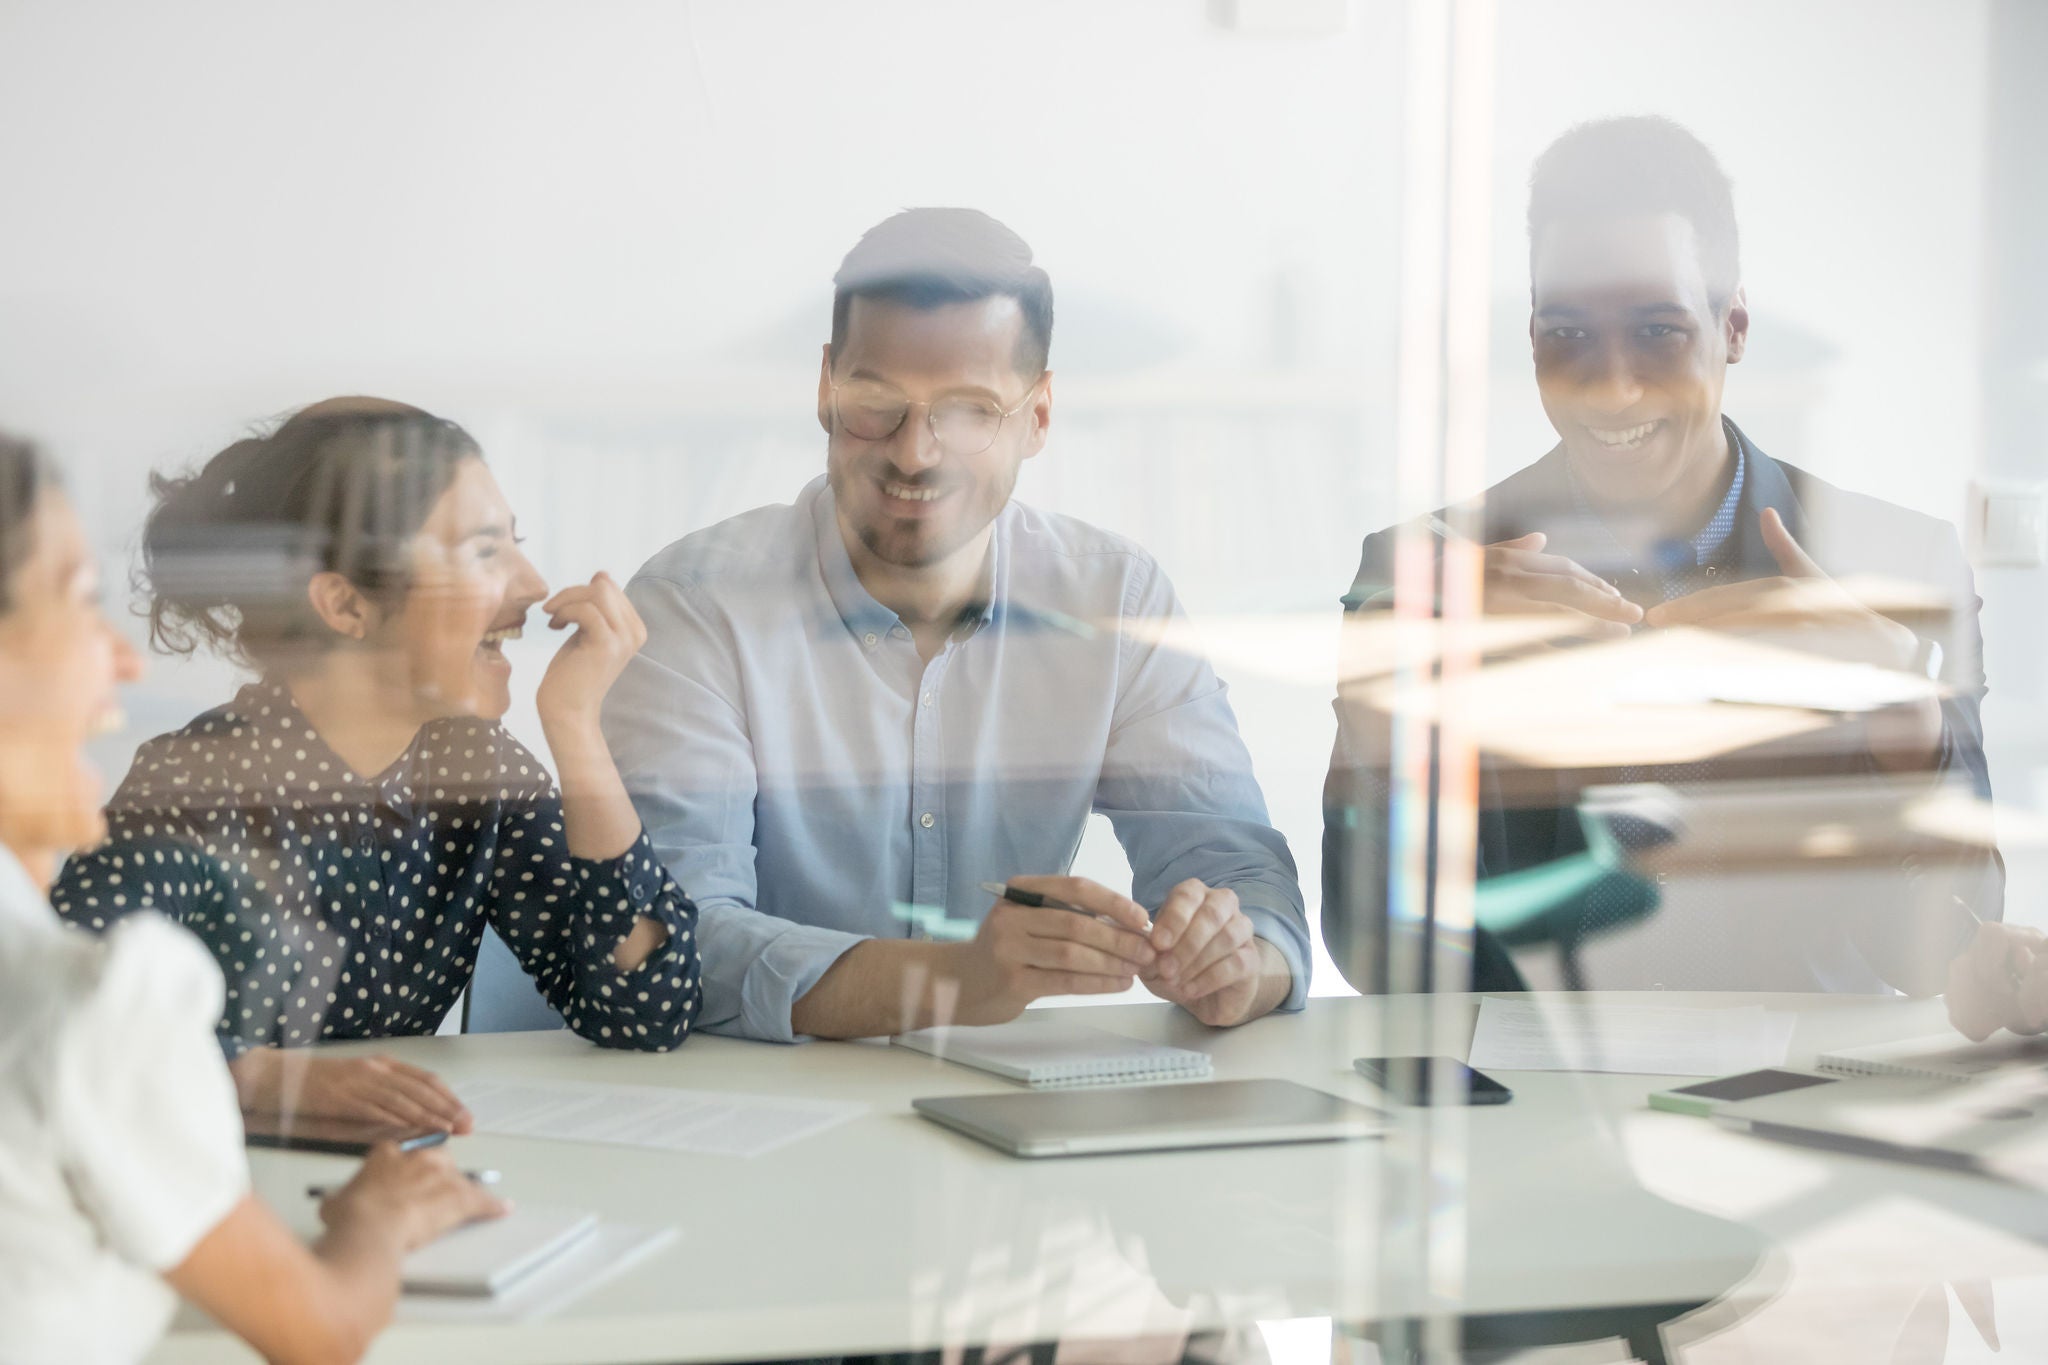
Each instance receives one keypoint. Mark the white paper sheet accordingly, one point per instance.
(710, 1122)
(1648, 1040)
(615, 1247)
(1847, 688)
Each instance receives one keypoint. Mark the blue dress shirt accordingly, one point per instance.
(806, 775)
(1678, 563)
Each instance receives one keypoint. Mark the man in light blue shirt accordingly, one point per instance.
(854, 710)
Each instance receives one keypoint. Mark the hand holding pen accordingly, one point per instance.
(1019, 895)
(409, 1198)
(1205, 955)
(1079, 938)
(484, 1178)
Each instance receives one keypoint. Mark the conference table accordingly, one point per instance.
(1573, 1212)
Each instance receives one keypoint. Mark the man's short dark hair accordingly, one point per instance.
(1625, 167)
(928, 258)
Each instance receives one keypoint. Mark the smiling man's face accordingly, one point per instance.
(908, 500)
(1631, 354)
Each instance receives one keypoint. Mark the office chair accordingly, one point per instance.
(502, 997)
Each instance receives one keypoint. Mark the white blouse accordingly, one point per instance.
(120, 1136)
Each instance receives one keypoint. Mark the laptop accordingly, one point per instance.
(1152, 1118)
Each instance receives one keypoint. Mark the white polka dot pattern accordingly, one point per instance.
(347, 907)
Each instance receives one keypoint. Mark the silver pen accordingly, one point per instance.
(485, 1178)
(1446, 530)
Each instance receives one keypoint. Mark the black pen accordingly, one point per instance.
(1017, 895)
(477, 1177)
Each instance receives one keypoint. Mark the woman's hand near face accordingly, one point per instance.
(608, 633)
(599, 815)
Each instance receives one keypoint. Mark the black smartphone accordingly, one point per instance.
(1408, 1080)
(338, 1137)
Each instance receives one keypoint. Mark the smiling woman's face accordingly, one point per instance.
(61, 664)
(470, 585)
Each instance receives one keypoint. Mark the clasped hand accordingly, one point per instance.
(1198, 951)
(1815, 612)
(2000, 981)
(1800, 598)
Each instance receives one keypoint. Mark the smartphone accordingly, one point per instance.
(1702, 1099)
(338, 1137)
(1407, 1080)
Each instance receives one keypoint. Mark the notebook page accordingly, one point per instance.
(1045, 1052)
(1947, 1056)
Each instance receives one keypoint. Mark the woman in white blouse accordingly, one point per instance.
(122, 1177)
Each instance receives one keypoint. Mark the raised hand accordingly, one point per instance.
(1521, 578)
(1803, 608)
(609, 632)
(1802, 600)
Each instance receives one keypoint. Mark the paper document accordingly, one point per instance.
(1648, 1040)
(711, 1122)
(613, 1248)
(1837, 687)
(490, 1256)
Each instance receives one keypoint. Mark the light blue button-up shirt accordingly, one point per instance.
(805, 774)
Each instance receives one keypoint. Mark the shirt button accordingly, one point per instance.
(927, 820)
(897, 632)
(869, 638)
(925, 700)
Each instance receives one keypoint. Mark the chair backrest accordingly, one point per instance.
(502, 997)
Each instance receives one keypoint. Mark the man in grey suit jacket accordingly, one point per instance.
(1656, 511)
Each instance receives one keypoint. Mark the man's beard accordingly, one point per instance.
(917, 547)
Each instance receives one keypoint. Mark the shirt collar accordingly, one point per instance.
(1708, 540)
(866, 619)
(288, 750)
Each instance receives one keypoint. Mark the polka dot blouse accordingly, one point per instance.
(341, 906)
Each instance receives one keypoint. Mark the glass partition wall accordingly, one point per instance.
(1595, 449)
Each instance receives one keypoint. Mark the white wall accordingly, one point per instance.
(601, 235)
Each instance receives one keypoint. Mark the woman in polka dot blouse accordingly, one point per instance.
(341, 831)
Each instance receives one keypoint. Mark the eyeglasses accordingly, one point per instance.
(961, 424)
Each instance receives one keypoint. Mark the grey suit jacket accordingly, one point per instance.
(1902, 936)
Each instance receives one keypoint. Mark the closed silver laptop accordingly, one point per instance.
(1150, 1118)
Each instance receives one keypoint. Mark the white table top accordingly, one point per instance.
(890, 1233)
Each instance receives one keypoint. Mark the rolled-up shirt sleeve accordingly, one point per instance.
(564, 918)
(1177, 786)
(676, 725)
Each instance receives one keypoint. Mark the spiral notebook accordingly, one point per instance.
(1044, 1053)
(1943, 1057)
(491, 1256)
